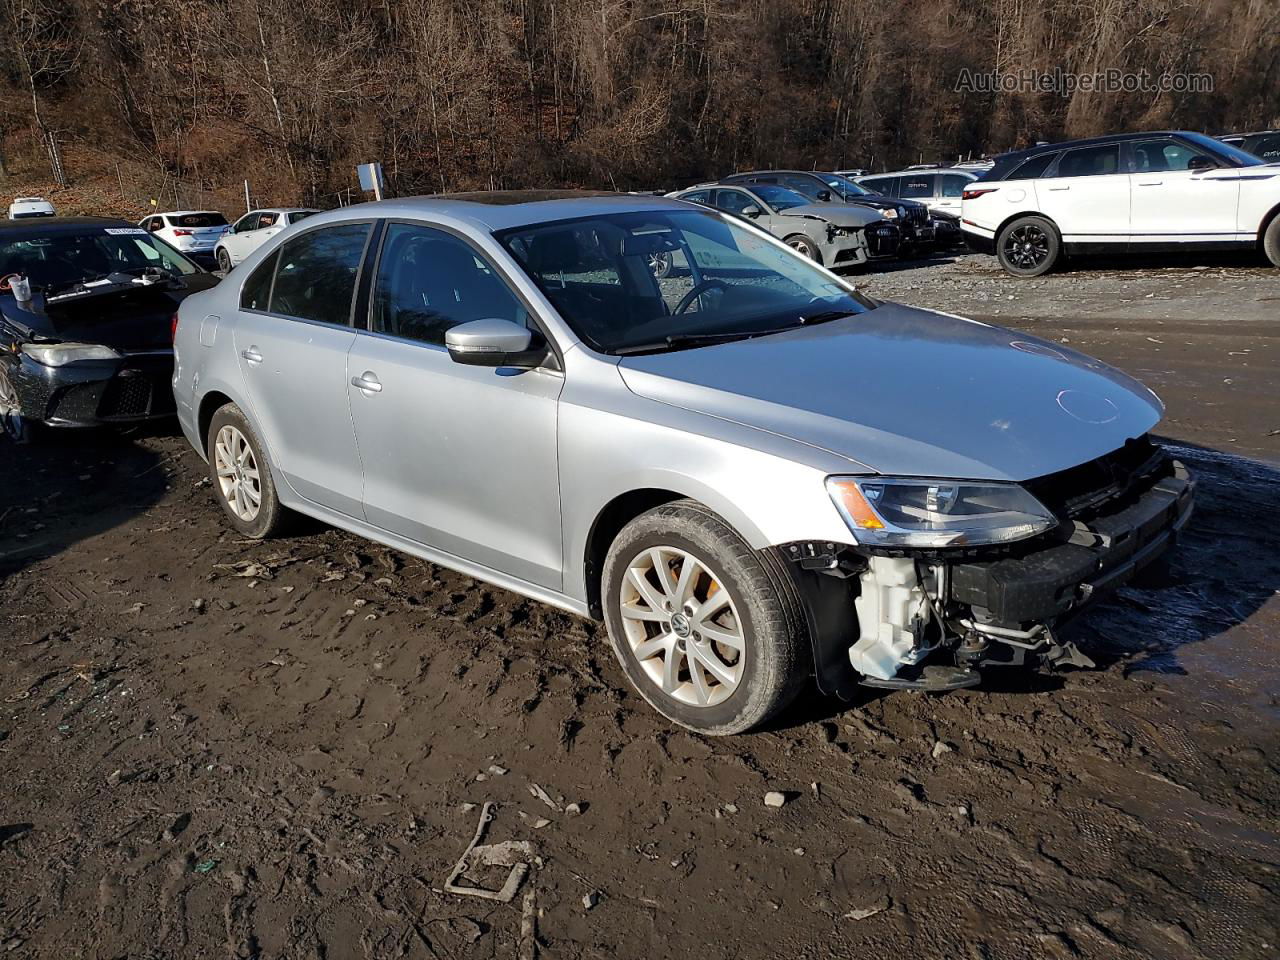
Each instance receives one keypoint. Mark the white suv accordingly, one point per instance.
(1126, 192)
(253, 229)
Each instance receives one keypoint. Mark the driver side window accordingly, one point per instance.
(246, 223)
(733, 201)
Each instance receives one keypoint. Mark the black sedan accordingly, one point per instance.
(86, 322)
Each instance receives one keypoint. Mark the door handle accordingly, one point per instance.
(368, 382)
(1059, 188)
(252, 355)
(1150, 183)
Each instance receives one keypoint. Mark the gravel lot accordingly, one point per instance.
(212, 747)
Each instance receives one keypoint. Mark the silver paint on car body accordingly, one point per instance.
(502, 474)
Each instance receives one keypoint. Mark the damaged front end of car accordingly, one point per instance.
(951, 577)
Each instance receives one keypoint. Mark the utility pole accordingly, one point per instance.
(248, 204)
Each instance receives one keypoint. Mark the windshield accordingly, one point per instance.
(59, 260)
(197, 220)
(780, 198)
(719, 279)
(845, 186)
(1233, 155)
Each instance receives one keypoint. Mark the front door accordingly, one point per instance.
(293, 358)
(1172, 201)
(459, 458)
(1088, 195)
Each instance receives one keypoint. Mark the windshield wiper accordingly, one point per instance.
(677, 341)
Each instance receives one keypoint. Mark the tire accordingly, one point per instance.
(1029, 246)
(660, 264)
(802, 244)
(1271, 241)
(227, 429)
(223, 258)
(757, 608)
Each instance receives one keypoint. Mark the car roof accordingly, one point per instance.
(963, 171)
(46, 225)
(504, 209)
(1090, 142)
(762, 173)
(180, 213)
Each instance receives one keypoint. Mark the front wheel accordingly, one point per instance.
(224, 259)
(1028, 247)
(709, 631)
(802, 244)
(1271, 242)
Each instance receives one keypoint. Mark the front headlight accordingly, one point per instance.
(893, 512)
(60, 354)
(890, 213)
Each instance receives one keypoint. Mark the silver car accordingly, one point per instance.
(753, 473)
(835, 234)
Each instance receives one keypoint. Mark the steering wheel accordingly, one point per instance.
(696, 292)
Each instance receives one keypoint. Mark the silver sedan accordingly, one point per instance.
(754, 474)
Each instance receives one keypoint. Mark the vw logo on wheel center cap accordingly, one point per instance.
(680, 625)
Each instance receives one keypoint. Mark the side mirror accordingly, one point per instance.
(824, 195)
(752, 211)
(493, 342)
(1200, 163)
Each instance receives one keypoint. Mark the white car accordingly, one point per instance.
(938, 189)
(1126, 192)
(193, 233)
(25, 207)
(251, 230)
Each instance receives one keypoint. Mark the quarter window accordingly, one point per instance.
(316, 276)
(1033, 168)
(1090, 161)
(429, 281)
(698, 196)
(886, 186)
(257, 289)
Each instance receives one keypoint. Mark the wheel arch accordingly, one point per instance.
(1267, 218)
(1025, 213)
(210, 403)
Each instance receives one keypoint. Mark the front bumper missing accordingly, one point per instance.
(931, 622)
(1102, 554)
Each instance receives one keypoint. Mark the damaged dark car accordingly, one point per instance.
(86, 323)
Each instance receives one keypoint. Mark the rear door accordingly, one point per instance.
(951, 188)
(1088, 195)
(1172, 202)
(293, 358)
(459, 458)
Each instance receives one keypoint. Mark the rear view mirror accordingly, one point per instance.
(493, 342)
(751, 210)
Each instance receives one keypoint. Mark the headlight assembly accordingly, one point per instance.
(894, 512)
(60, 354)
(889, 213)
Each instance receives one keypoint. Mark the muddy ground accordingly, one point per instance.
(217, 748)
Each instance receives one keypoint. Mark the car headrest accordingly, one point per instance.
(555, 251)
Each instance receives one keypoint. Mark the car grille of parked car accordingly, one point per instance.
(1079, 492)
(883, 239)
(135, 395)
(918, 215)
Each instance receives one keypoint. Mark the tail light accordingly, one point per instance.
(975, 194)
(182, 233)
(173, 329)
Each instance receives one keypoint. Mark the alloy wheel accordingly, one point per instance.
(682, 626)
(801, 245)
(237, 470)
(1026, 246)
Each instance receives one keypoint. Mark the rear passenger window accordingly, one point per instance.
(953, 185)
(1033, 168)
(429, 281)
(699, 196)
(1090, 161)
(257, 289)
(316, 277)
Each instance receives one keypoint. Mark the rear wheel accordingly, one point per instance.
(241, 475)
(660, 264)
(224, 259)
(1271, 241)
(1029, 247)
(709, 631)
(803, 244)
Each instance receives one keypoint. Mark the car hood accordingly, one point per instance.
(911, 392)
(841, 214)
(138, 319)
